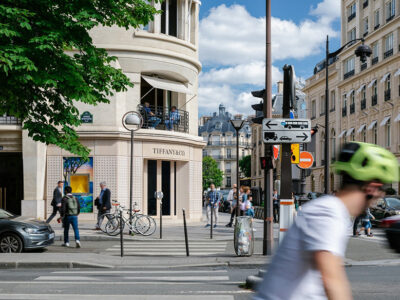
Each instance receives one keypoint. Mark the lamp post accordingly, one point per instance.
(362, 51)
(237, 124)
(132, 121)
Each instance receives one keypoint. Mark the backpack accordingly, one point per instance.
(72, 206)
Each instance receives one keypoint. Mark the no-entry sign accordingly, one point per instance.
(306, 160)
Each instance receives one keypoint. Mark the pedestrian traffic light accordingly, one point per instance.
(259, 108)
(314, 130)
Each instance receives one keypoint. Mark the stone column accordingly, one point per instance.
(34, 166)
(156, 28)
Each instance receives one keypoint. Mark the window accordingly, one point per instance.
(388, 45)
(375, 89)
(322, 105)
(228, 181)
(344, 108)
(387, 134)
(375, 50)
(365, 21)
(364, 135)
(353, 136)
(387, 88)
(351, 12)
(333, 145)
(390, 10)
(349, 68)
(313, 109)
(351, 35)
(332, 101)
(376, 19)
(228, 153)
(228, 167)
(375, 134)
(169, 17)
(352, 103)
(363, 98)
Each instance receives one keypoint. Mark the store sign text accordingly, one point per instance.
(172, 152)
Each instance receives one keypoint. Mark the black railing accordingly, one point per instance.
(332, 109)
(363, 66)
(388, 53)
(377, 26)
(231, 156)
(322, 113)
(399, 90)
(9, 120)
(363, 104)
(365, 34)
(224, 143)
(365, 4)
(374, 100)
(351, 17)
(390, 18)
(375, 60)
(227, 171)
(352, 108)
(344, 111)
(322, 162)
(348, 74)
(163, 119)
(215, 156)
(387, 95)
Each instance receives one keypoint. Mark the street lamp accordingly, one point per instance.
(362, 51)
(132, 121)
(237, 124)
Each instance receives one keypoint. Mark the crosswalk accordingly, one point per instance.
(169, 248)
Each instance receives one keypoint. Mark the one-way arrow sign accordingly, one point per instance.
(304, 136)
(269, 124)
(280, 131)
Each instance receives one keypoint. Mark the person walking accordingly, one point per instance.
(213, 199)
(276, 204)
(56, 202)
(245, 198)
(70, 209)
(103, 203)
(232, 201)
(366, 222)
(309, 261)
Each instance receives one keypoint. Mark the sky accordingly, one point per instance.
(232, 46)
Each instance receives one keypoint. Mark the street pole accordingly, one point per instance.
(131, 185)
(327, 162)
(268, 236)
(237, 174)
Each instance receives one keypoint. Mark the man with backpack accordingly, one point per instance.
(70, 209)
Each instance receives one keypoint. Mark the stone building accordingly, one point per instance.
(162, 62)
(364, 97)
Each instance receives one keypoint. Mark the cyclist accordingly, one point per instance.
(309, 261)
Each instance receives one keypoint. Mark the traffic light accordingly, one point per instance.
(259, 108)
(314, 130)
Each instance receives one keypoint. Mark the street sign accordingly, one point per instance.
(287, 131)
(306, 160)
(295, 153)
(276, 151)
(86, 117)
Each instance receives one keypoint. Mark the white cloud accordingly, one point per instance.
(327, 10)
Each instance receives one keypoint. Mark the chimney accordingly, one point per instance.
(280, 87)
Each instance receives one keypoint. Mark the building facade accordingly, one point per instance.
(220, 137)
(161, 60)
(364, 97)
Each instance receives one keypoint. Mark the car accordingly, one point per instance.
(20, 233)
(392, 229)
(385, 207)
(285, 138)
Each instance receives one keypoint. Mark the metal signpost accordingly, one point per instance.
(159, 196)
(286, 131)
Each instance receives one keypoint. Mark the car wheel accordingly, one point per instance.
(10, 243)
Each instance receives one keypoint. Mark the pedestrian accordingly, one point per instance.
(249, 207)
(276, 205)
(70, 209)
(56, 202)
(232, 196)
(245, 198)
(366, 222)
(174, 118)
(309, 261)
(103, 203)
(153, 120)
(213, 199)
(355, 225)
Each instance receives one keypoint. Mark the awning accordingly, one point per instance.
(371, 83)
(373, 123)
(384, 121)
(342, 134)
(350, 131)
(384, 77)
(360, 88)
(362, 127)
(168, 85)
(349, 93)
(397, 118)
(397, 73)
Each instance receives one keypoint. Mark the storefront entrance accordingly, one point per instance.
(11, 182)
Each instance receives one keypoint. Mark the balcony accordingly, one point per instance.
(388, 53)
(352, 108)
(351, 17)
(374, 100)
(9, 120)
(365, 4)
(217, 157)
(348, 74)
(390, 18)
(387, 95)
(363, 104)
(377, 26)
(228, 143)
(365, 34)
(363, 66)
(344, 111)
(161, 117)
(228, 171)
(375, 60)
(322, 162)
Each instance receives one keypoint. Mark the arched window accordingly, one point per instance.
(312, 183)
(333, 144)
(387, 88)
(322, 147)
(352, 103)
(387, 134)
(375, 134)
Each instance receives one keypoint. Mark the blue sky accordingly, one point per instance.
(232, 46)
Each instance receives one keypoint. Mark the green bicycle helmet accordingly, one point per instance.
(367, 162)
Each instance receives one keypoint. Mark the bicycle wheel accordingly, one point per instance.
(146, 225)
(106, 218)
(113, 227)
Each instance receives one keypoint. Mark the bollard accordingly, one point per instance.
(121, 233)
(160, 219)
(211, 228)
(185, 230)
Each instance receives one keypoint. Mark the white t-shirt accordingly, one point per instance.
(320, 225)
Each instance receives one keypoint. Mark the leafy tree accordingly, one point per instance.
(211, 173)
(48, 62)
(245, 165)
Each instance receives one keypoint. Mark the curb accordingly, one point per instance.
(46, 265)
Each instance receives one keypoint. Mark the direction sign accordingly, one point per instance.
(286, 131)
(306, 160)
(295, 153)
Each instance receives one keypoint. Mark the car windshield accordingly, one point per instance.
(393, 203)
(5, 214)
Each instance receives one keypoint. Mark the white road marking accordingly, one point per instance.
(140, 272)
(116, 297)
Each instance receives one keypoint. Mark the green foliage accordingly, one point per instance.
(40, 81)
(245, 165)
(211, 173)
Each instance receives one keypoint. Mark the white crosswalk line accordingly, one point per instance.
(137, 278)
(114, 297)
(104, 272)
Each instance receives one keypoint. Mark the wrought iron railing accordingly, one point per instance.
(348, 74)
(363, 66)
(161, 118)
(228, 143)
(365, 3)
(9, 120)
(388, 53)
(375, 60)
(351, 17)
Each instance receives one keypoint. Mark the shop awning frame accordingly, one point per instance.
(350, 131)
(384, 121)
(362, 127)
(342, 134)
(168, 85)
(373, 123)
